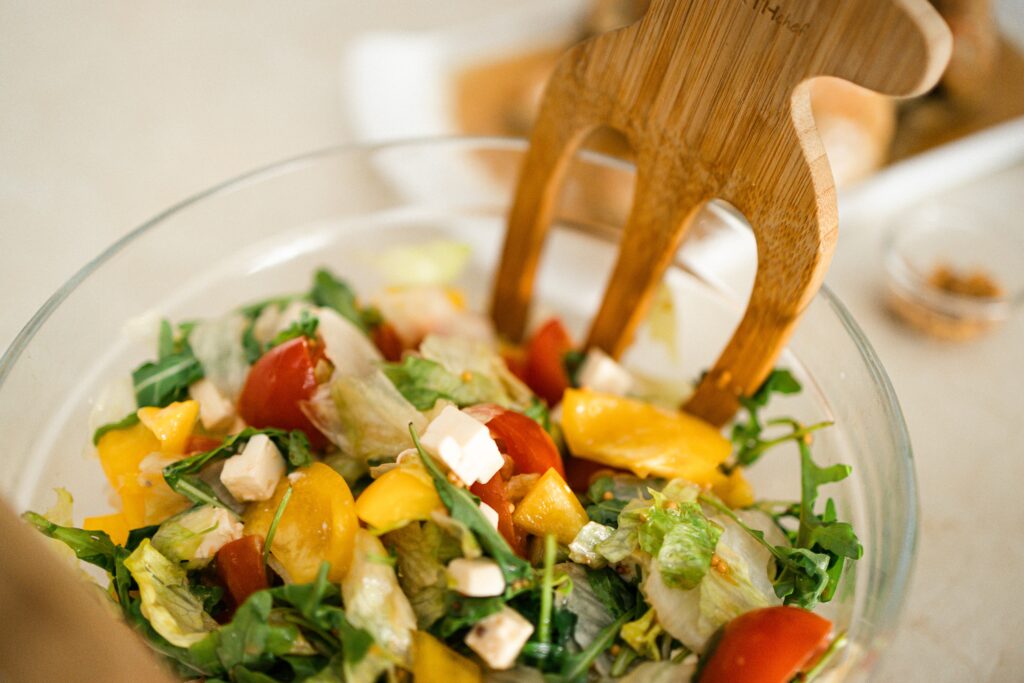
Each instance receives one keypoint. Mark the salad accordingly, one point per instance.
(317, 488)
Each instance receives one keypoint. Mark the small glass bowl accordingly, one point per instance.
(954, 272)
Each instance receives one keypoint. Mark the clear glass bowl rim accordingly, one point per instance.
(902, 564)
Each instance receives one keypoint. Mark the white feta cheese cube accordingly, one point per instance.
(490, 513)
(476, 578)
(464, 444)
(228, 528)
(253, 474)
(601, 373)
(499, 638)
(216, 411)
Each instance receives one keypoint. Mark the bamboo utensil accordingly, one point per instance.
(713, 98)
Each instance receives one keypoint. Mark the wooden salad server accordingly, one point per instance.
(713, 98)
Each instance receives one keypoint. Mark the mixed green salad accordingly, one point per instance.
(317, 488)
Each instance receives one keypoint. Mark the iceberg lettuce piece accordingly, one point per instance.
(439, 262)
(482, 362)
(193, 537)
(737, 583)
(167, 601)
(373, 599)
(217, 344)
(374, 415)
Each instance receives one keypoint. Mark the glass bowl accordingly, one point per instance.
(265, 232)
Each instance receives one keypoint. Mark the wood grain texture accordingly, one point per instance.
(713, 97)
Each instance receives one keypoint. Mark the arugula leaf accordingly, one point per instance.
(94, 547)
(160, 382)
(614, 593)
(642, 635)
(249, 640)
(462, 612)
(422, 382)
(462, 506)
(809, 572)
(538, 412)
(572, 361)
(610, 495)
(747, 435)
(183, 476)
(333, 293)
(165, 345)
(577, 666)
(305, 326)
(252, 347)
(129, 420)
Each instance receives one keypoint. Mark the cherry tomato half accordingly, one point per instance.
(545, 361)
(769, 645)
(385, 338)
(494, 493)
(278, 382)
(525, 441)
(240, 567)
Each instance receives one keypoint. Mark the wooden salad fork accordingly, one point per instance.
(713, 98)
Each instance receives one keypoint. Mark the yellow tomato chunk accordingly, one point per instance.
(114, 525)
(434, 662)
(637, 436)
(399, 496)
(318, 524)
(171, 425)
(551, 508)
(121, 450)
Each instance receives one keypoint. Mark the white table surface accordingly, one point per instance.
(109, 112)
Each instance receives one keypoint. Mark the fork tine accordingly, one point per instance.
(663, 208)
(556, 136)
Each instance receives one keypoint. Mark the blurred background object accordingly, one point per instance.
(498, 93)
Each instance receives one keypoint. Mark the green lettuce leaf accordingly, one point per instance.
(423, 382)
(333, 293)
(167, 601)
(422, 549)
(439, 262)
(374, 601)
(682, 538)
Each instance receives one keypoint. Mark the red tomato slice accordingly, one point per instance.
(545, 366)
(387, 341)
(240, 567)
(494, 494)
(277, 383)
(769, 645)
(580, 473)
(198, 443)
(526, 442)
(515, 360)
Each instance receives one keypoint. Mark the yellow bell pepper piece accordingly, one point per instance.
(637, 436)
(171, 425)
(120, 452)
(551, 507)
(735, 491)
(399, 496)
(434, 662)
(114, 525)
(318, 524)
